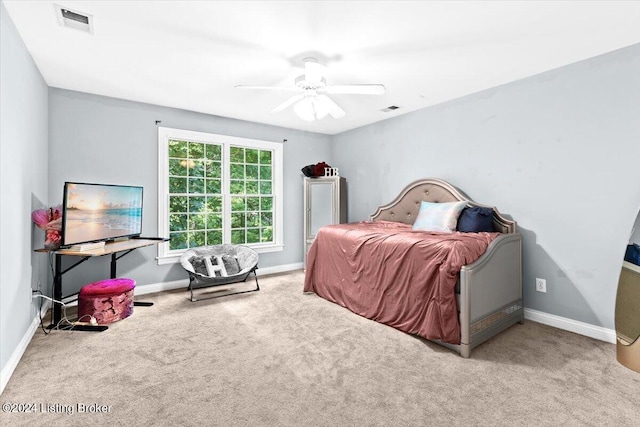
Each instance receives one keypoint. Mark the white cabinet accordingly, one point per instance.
(325, 203)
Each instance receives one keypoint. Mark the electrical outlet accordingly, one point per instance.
(541, 285)
(37, 291)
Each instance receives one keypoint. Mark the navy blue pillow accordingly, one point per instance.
(632, 254)
(475, 219)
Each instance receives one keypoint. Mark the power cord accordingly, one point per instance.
(92, 320)
(68, 325)
(38, 293)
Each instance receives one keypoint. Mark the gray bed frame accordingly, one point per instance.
(489, 291)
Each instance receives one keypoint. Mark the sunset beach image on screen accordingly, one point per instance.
(95, 212)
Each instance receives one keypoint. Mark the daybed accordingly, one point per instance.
(457, 289)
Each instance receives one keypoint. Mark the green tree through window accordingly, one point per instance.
(195, 194)
(220, 192)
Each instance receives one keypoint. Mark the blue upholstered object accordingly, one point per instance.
(476, 219)
(632, 254)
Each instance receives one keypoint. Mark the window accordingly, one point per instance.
(218, 189)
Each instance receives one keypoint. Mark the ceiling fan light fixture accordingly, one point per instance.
(304, 109)
(312, 104)
(311, 108)
(303, 83)
(313, 71)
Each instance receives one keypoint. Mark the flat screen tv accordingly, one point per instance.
(100, 212)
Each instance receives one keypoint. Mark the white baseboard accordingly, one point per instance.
(586, 329)
(161, 287)
(263, 271)
(13, 361)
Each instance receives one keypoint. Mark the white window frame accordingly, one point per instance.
(167, 256)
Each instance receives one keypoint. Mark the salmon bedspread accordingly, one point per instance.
(387, 272)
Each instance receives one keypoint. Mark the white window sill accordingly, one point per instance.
(174, 258)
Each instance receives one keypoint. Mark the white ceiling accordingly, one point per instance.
(191, 54)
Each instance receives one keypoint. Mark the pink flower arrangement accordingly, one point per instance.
(49, 220)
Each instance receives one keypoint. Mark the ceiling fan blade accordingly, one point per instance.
(374, 89)
(313, 71)
(334, 109)
(288, 103)
(287, 88)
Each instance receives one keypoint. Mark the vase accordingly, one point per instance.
(52, 239)
(52, 245)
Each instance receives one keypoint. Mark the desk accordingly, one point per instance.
(111, 248)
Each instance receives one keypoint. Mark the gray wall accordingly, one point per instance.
(635, 232)
(23, 185)
(106, 140)
(557, 151)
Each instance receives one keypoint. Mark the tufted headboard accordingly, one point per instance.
(405, 207)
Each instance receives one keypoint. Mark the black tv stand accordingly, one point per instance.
(163, 239)
(142, 303)
(86, 328)
(117, 249)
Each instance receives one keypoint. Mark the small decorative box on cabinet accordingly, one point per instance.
(325, 203)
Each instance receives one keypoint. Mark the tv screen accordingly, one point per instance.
(100, 212)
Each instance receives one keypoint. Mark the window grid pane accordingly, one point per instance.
(251, 178)
(195, 194)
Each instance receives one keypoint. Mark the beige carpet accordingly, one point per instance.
(279, 357)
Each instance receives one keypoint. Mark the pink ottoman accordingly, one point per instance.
(107, 300)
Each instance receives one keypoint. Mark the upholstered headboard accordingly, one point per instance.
(405, 207)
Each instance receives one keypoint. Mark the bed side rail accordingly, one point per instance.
(491, 289)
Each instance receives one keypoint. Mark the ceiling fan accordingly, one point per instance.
(312, 103)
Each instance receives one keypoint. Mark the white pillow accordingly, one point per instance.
(438, 216)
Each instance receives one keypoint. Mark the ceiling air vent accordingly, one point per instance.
(389, 108)
(74, 19)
